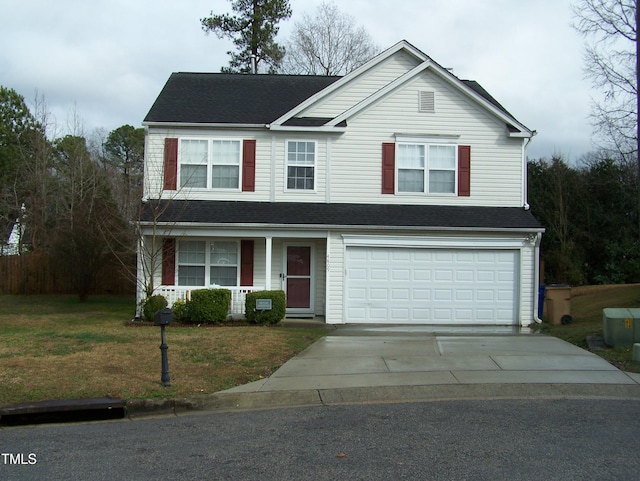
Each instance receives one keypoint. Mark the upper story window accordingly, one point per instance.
(301, 165)
(210, 164)
(426, 168)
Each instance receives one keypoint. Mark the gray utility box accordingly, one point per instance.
(621, 327)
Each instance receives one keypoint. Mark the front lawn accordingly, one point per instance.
(54, 347)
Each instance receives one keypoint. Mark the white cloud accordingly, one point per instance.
(110, 59)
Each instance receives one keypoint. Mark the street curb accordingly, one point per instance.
(222, 401)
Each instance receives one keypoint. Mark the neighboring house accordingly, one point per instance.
(14, 245)
(395, 194)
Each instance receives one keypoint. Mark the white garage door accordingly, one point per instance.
(431, 286)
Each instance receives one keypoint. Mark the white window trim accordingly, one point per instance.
(315, 167)
(427, 142)
(207, 261)
(210, 165)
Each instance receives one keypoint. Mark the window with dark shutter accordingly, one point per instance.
(168, 261)
(388, 167)
(246, 262)
(464, 170)
(170, 164)
(249, 166)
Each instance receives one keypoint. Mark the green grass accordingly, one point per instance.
(54, 347)
(587, 304)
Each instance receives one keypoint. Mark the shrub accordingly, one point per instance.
(273, 316)
(179, 311)
(209, 305)
(152, 305)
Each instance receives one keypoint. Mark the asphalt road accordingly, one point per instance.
(455, 440)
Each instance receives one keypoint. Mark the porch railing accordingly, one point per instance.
(238, 295)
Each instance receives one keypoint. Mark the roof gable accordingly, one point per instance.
(280, 101)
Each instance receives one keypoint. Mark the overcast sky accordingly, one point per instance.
(108, 60)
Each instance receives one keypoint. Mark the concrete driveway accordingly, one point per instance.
(378, 364)
(368, 364)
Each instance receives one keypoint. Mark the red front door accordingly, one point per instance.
(298, 277)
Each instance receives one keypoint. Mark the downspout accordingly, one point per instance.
(525, 183)
(536, 277)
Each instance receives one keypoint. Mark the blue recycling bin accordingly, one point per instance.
(541, 294)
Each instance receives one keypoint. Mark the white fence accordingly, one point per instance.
(238, 295)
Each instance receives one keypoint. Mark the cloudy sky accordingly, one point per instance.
(108, 60)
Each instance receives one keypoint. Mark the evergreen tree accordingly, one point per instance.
(253, 30)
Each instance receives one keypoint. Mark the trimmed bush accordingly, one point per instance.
(152, 305)
(179, 311)
(209, 305)
(278, 307)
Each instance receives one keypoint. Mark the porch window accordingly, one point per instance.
(205, 263)
(191, 263)
(224, 263)
(210, 164)
(301, 161)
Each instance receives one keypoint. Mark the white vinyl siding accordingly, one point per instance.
(362, 87)
(496, 160)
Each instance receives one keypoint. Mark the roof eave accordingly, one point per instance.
(236, 225)
(294, 128)
(207, 125)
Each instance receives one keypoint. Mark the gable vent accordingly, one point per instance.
(426, 102)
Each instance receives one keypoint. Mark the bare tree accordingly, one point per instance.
(611, 62)
(328, 44)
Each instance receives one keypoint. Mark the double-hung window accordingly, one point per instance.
(191, 263)
(225, 160)
(301, 165)
(210, 164)
(194, 159)
(205, 263)
(224, 263)
(426, 168)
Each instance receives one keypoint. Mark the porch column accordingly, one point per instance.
(267, 270)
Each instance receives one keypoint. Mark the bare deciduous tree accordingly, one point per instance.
(611, 62)
(328, 44)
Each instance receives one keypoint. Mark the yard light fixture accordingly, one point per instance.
(163, 318)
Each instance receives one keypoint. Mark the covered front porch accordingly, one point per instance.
(242, 262)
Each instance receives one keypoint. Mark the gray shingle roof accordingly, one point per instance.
(247, 99)
(232, 98)
(347, 215)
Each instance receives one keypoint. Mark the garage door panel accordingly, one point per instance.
(421, 285)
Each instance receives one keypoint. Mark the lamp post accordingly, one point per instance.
(163, 318)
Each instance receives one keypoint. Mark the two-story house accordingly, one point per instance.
(394, 194)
